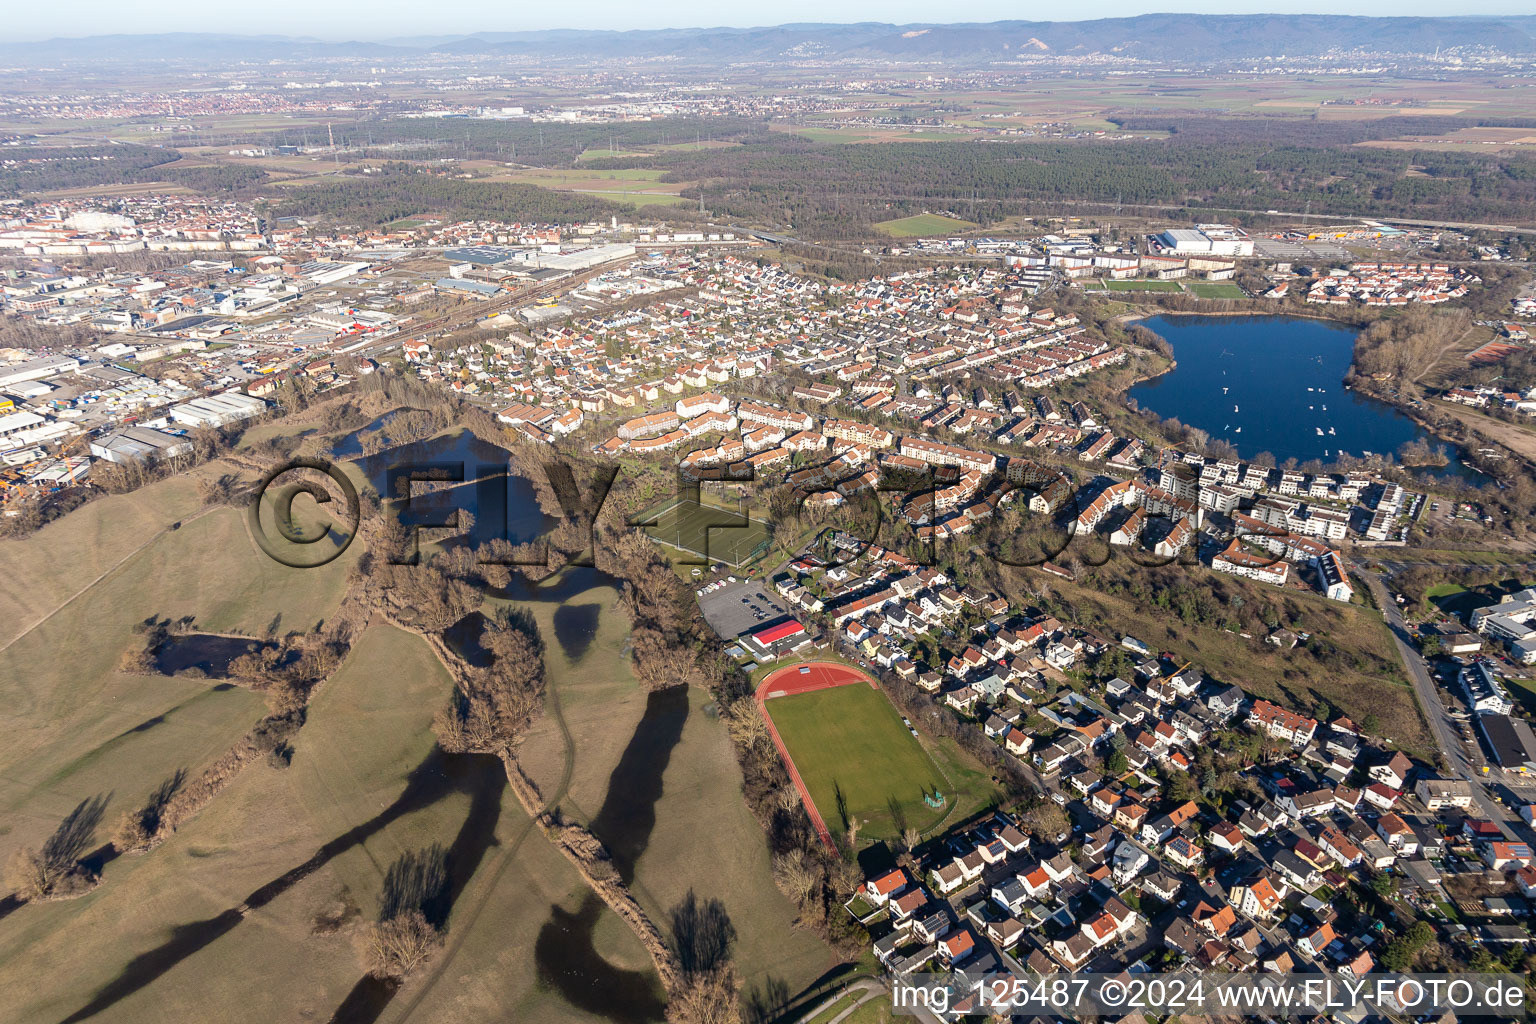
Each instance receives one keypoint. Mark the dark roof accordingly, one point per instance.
(1511, 740)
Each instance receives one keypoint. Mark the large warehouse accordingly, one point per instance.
(134, 443)
(1206, 240)
(218, 410)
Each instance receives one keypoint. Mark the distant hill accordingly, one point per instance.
(1194, 37)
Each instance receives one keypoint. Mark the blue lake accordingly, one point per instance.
(1274, 384)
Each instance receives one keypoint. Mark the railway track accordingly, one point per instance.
(483, 310)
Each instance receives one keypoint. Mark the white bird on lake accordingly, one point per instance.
(1239, 430)
(1319, 431)
(1234, 408)
(1331, 433)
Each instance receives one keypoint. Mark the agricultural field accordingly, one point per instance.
(635, 199)
(923, 224)
(859, 761)
(605, 153)
(636, 186)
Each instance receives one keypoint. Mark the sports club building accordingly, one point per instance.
(777, 641)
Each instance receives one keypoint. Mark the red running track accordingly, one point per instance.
(797, 679)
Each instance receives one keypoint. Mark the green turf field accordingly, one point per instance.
(714, 533)
(922, 224)
(1141, 286)
(1215, 289)
(850, 741)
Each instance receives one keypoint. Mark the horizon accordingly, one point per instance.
(402, 24)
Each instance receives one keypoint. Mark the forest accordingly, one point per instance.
(1206, 167)
(401, 191)
(44, 168)
(839, 191)
(38, 168)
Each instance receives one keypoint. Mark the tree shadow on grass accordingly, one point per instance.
(438, 775)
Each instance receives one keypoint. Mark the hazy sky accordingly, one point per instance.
(380, 19)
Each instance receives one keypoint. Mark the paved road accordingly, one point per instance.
(870, 988)
(1446, 730)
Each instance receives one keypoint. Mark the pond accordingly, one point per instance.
(1275, 384)
(351, 446)
(504, 505)
(209, 653)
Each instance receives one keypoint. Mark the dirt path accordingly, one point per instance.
(1519, 439)
(71, 599)
(438, 966)
(871, 988)
(1440, 355)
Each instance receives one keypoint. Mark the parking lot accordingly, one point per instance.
(737, 608)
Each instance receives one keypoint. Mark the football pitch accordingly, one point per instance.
(858, 760)
(1216, 290)
(718, 534)
(1141, 286)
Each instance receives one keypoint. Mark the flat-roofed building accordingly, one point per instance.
(132, 444)
(1511, 742)
(218, 410)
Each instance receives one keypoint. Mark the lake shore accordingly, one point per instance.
(1264, 364)
(1149, 314)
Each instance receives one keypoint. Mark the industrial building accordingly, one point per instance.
(16, 422)
(523, 260)
(218, 410)
(580, 259)
(1205, 240)
(134, 443)
(480, 289)
(37, 369)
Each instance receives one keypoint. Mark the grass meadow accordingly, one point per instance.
(704, 837)
(922, 224)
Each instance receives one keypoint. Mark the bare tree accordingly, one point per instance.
(55, 870)
(411, 908)
(395, 948)
(796, 875)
